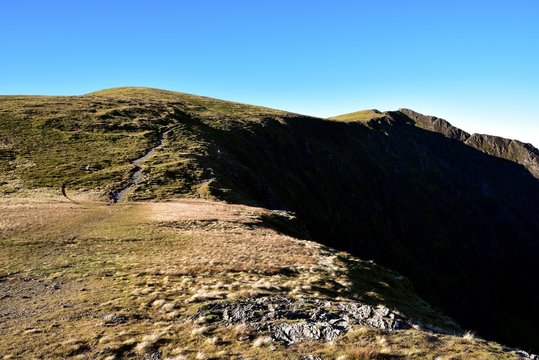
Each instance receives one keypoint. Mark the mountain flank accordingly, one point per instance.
(455, 216)
(525, 154)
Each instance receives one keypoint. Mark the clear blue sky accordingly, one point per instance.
(475, 63)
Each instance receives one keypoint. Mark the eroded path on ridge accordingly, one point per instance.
(137, 175)
(153, 280)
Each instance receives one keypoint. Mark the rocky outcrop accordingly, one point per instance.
(294, 320)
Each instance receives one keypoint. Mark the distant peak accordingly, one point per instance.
(513, 150)
(435, 124)
(362, 115)
(133, 91)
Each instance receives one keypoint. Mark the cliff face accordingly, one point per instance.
(524, 154)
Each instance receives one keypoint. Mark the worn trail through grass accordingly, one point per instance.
(137, 176)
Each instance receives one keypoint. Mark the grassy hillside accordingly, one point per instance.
(93, 281)
(86, 142)
(50, 141)
(461, 224)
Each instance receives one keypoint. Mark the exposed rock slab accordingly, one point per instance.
(293, 320)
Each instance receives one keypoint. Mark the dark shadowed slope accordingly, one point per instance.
(461, 224)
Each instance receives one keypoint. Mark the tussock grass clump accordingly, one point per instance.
(202, 330)
(262, 341)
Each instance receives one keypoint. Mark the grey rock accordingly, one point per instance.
(55, 286)
(525, 355)
(294, 320)
(155, 355)
(114, 319)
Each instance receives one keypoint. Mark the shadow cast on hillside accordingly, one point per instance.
(461, 224)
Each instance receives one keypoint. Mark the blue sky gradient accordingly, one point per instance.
(475, 62)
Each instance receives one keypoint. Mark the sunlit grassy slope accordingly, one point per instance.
(363, 115)
(86, 142)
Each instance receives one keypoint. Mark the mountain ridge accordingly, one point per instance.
(510, 149)
(514, 150)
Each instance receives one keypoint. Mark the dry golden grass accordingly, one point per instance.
(89, 280)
